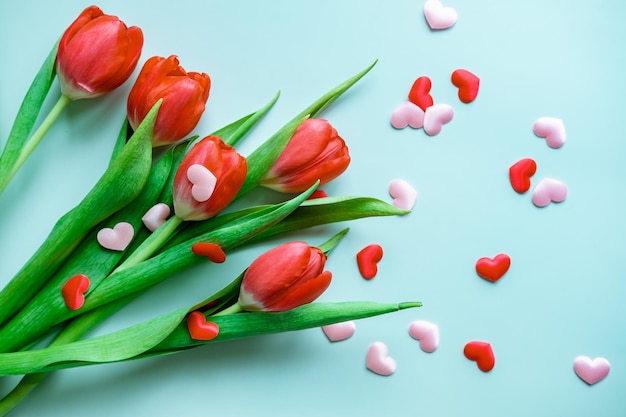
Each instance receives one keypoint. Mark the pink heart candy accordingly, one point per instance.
(156, 216)
(427, 333)
(339, 331)
(552, 129)
(117, 238)
(203, 182)
(407, 114)
(435, 117)
(591, 370)
(438, 16)
(549, 190)
(404, 195)
(379, 361)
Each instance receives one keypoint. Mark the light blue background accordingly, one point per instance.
(562, 297)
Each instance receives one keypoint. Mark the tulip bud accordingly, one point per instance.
(284, 277)
(208, 179)
(97, 53)
(184, 97)
(314, 152)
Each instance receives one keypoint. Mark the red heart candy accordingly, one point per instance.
(367, 260)
(493, 269)
(200, 329)
(481, 353)
(211, 250)
(420, 93)
(467, 83)
(74, 291)
(520, 173)
(317, 194)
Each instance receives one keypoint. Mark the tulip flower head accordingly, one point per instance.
(97, 53)
(184, 97)
(285, 277)
(314, 152)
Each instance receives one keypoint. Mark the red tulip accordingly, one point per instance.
(184, 97)
(208, 179)
(314, 152)
(97, 53)
(285, 277)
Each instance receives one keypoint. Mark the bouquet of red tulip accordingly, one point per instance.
(164, 204)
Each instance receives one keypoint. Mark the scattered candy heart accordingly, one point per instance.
(339, 331)
(552, 129)
(549, 190)
(203, 182)
(591, 370)
(420, 93)
(317, 194)
(435, 117)
(199, 328)
(427, 333)
(404, 195)
(520, 174)
(118, 238)
(438, 16)
(156, 216)
(74, 291)
(481, 353)
(379, 361)
(467, 83)
(407, 114)
(493, 269)
(367, 260)
(211, 250)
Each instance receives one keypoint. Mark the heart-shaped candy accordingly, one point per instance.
(520, 174)
(211, 250)
(435, 117)
(420, 93)
(403, 193)
(591, 370)
(203, 182)
(317, 194)
(339, 331)
(118, 238)
(438, 16)
(467, 83)
(156, 216)
(481, 353)
(493, 269)
(552, 129)
(427, 333)
(199, 328)
(379, 361)
(407, 114)
(367, 260)
(74, 290)
(549, 190)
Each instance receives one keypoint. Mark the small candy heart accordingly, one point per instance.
(339, 331)
(404, 195)
(211, 250)
(591, 370)
(493, 269)
(203, 182)
(427, 333)
(367, 260)
(439, 17)
(407, 114)
(199, 328)
(317, 194)
(552, 129)
(435, 117)
(467, 83)
(118, 238)
(379, 361)
(481, 353)
(156, 216)
(549, 190)
(520, 174)
(420, 93)
(74, 291)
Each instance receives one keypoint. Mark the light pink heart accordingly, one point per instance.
(438, 16)
(339, 331)
(427, 333)
(549, 190)
(403, 193)
(118, 238)
(591, 370)
(203, 182)
(436, 116)
(407, 114)
(552, 129)
(379, 361)
(156, 216)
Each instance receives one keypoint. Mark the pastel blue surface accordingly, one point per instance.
(562, 297)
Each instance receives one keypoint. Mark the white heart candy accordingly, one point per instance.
(156, 216)
(591, 370)
(203, 182)
(339, 331)
(436, 116)
(438, 16)
(404, 195)
(118, 238)
(379, 361)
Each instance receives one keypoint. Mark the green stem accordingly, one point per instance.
(234, 309)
